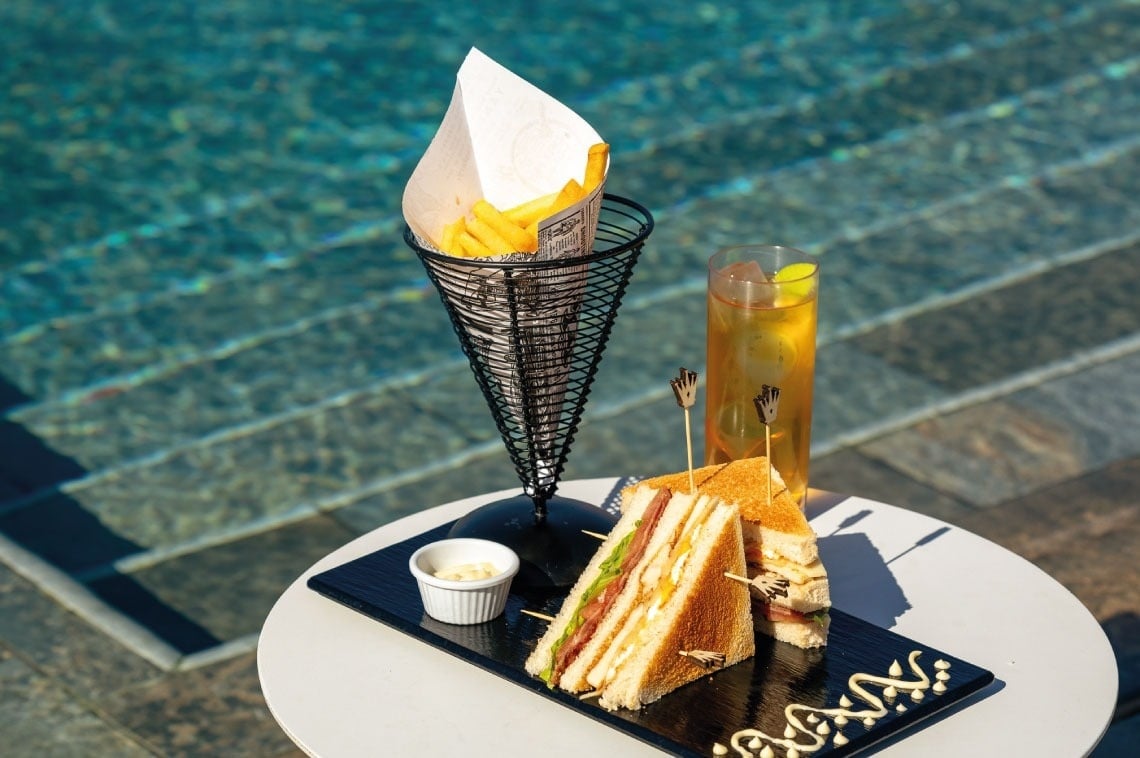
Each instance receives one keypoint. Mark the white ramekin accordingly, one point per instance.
(463, 602)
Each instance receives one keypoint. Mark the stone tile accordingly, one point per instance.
(997, 334)
(847, 472)
(984, 454)
(213, 710)
(855, 390)
(1120, 740)
(60, 530)
(229, 588)
(40, 718)
(1095, 512)
(644, 439)
(63, 646)
(1123, 631)
(1006, 448)
(1099, 404)
(1085, 533)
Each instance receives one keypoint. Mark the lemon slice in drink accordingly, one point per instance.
(797, 280)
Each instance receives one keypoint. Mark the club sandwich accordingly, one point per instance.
(653, 610)
(790, 589)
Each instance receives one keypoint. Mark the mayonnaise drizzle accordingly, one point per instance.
(796, 714)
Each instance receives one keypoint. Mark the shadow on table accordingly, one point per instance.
(861, 581)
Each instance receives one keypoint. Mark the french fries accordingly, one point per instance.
(518, 238)
(570, 193)
(486, 230)
(469, 247)
(532, 211)
(451, 233)
(597, 159)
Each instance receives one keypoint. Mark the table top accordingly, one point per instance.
(342, 684)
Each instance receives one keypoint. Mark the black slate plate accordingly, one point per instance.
(690, 720)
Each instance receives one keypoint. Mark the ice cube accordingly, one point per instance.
(747, 271)
(745, 283)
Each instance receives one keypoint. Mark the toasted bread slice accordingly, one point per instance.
(705, 612)
(647, 571)
(780, 526)
(540, 657)
(800, 634)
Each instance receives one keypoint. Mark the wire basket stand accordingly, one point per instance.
(534, 333)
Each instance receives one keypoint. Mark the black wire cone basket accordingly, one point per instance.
(534, 331)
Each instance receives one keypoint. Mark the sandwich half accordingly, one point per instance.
(790, 589)
(653, 609)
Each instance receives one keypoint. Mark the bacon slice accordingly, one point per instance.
(780, 613)
(645, 529)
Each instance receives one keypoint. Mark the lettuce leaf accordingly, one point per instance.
(609, 570)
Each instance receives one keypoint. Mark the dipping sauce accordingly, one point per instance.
(466, 572)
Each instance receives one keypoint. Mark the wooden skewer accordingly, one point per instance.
(685, 390)
(595, 535)
(537, 615)
(730, 575)
(705, 658)
(590, 694)
(768, 455)
(689, 448)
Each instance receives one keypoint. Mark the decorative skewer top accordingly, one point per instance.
(685, 388)
(766, 403)
(768, 585)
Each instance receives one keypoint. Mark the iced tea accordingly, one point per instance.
(761, 330)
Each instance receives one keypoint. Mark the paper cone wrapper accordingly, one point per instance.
(504, 140)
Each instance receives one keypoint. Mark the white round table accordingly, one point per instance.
(342, 684)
